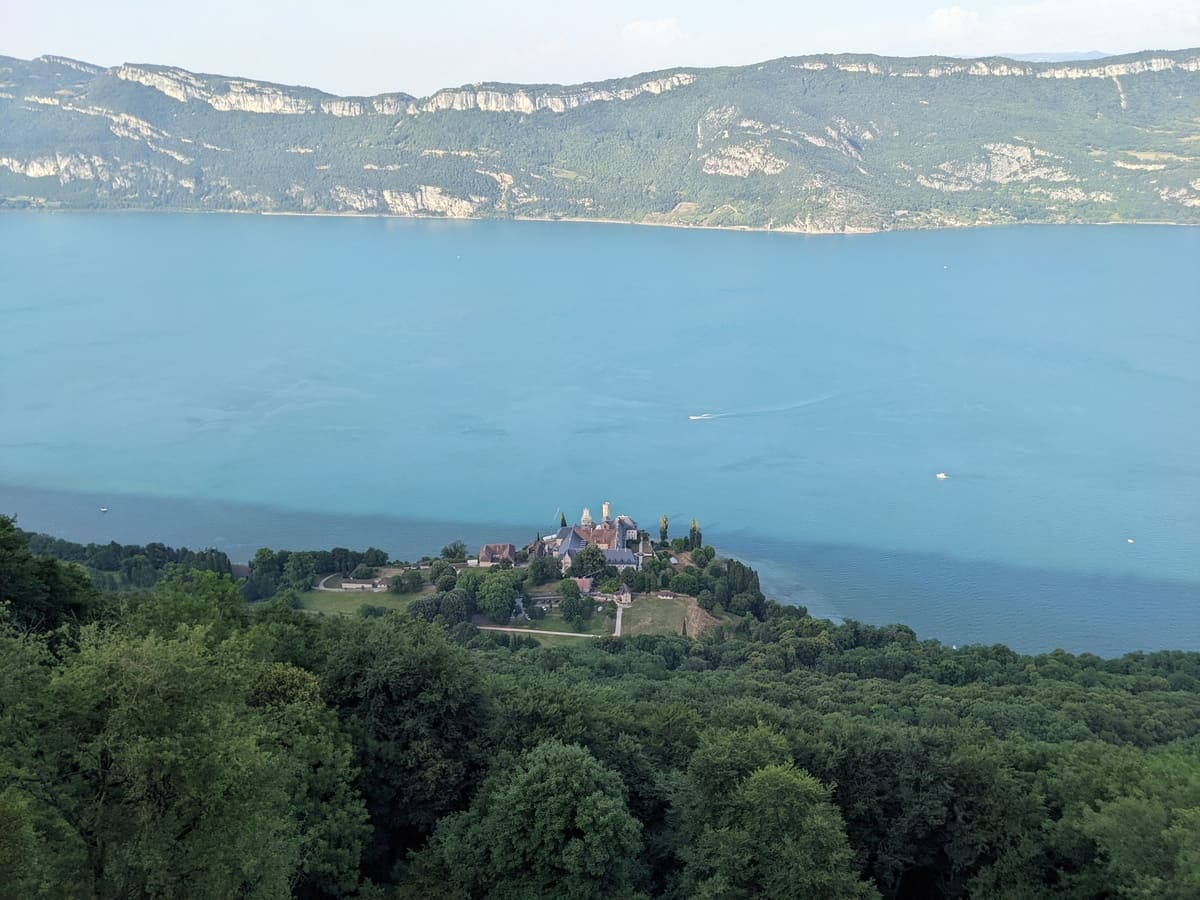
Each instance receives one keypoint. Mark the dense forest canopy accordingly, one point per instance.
(177, 740)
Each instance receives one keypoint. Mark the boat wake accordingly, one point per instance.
(769, 410)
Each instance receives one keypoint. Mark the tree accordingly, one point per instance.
(183, 599)
(454, 607)
(562, 520)
(329, 813)
(154, 773)
(497, 597)
(299, 572)
(695, 537)
(544, 569)
(455, 551)
(43, 592)
(720, 762)
(447, 581)
(414, 708)
(469, 581)
(685, 583)
(780, 837)
(576, 608)
(663, 524)
(589, 562)
(556, 824)
(437, 569)
(426, 607)
(363, 571)
(406, 582)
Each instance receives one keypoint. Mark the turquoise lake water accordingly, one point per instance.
(243, 381)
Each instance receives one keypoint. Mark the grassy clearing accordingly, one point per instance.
(650, 615)
(597, 624)
(348, 604)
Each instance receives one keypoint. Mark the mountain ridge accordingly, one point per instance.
(823, 142)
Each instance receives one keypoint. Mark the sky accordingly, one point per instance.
(374, 46)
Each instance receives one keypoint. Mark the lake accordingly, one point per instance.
(241, 381)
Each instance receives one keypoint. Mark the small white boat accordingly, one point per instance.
(941, 476)
(702, 416)
(104, 509)
(1129, 540)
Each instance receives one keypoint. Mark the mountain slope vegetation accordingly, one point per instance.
(818, 143)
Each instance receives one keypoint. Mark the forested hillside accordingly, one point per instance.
(175, 741)
(817, 143)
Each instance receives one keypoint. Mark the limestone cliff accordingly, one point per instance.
(826, 143)
(522, 101)
(257, 97)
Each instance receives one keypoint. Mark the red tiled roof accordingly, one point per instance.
(497, 552)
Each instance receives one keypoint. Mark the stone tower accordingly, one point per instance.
(586, 518)
(606, 511)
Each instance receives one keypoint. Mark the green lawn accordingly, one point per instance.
(349, 603)
(649, 615)
(599, 623)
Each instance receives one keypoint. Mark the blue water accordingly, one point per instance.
(247, 380)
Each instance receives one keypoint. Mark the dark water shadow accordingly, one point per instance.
(238, 528)
(956, 601)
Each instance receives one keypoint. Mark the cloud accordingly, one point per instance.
(950, 23)
(654, 33)
(1024, 26)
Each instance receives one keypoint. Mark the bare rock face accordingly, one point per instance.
(520, 101)
(428, 199)
(999, 68)
(714, 124)
(424, 201)
(252, 96)
(1002, 163)
(358, 200)
(66, 168)
(743, 160)
(343, 107)
(242, 96)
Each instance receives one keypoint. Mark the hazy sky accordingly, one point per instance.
(371, 46)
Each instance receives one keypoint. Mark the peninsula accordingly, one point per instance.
(173, 739)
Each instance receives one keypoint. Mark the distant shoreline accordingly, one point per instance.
(683, 226)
